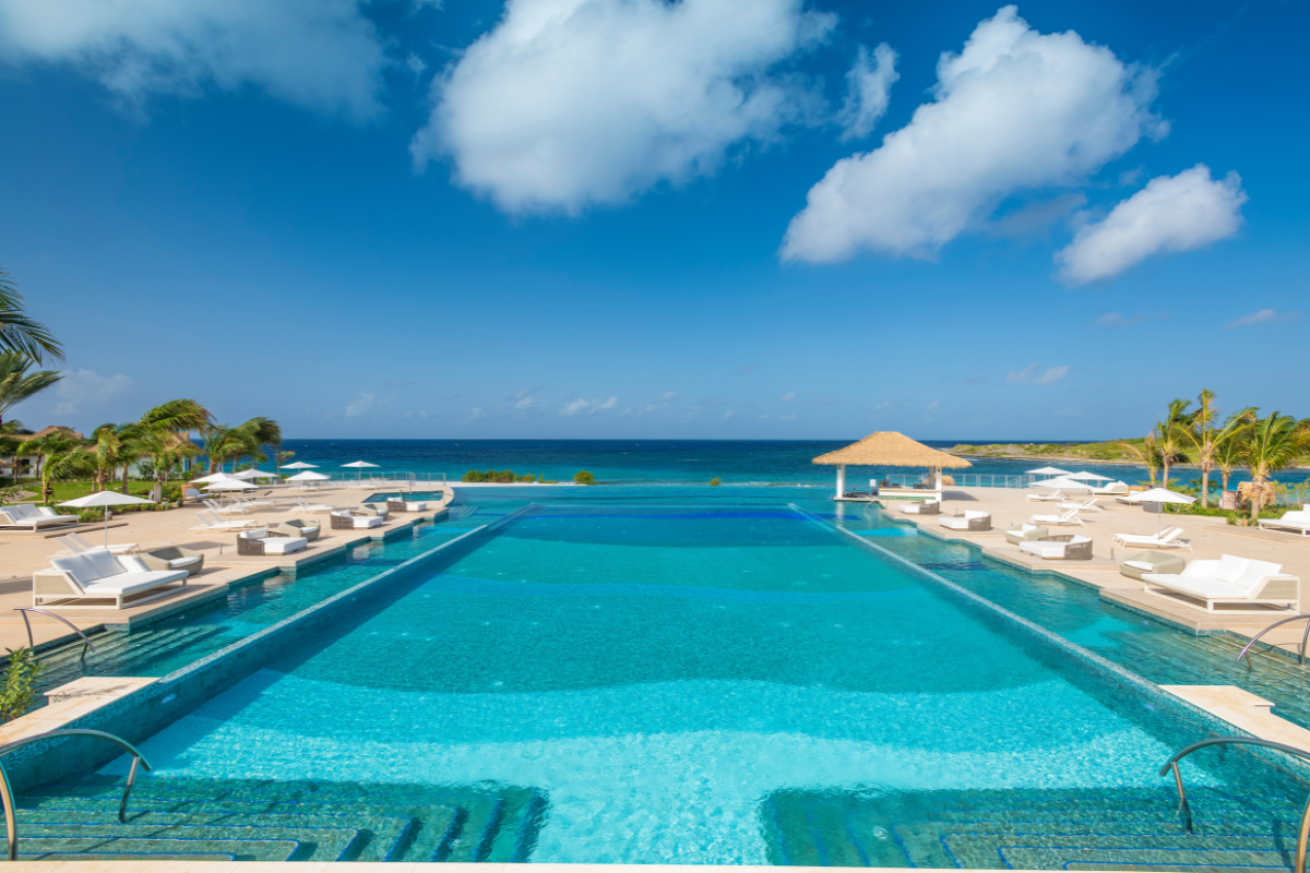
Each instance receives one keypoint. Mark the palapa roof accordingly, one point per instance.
(887, 448)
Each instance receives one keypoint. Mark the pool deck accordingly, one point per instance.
(22, 553)
(1209, 538)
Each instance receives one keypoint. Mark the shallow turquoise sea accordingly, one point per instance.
(644, 462)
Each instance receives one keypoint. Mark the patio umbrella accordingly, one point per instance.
(1048, 471)
(230, 484)
(299, 465)
(254, 473)
(360, 465)
(1160, 496)
(1089, 477)
(212, 477)
(1063, 483)
(105, 499)
(307, 477)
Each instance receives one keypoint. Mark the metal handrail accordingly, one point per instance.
(1304, 637)
(86, 643)
(1185, 810)
(7, 791)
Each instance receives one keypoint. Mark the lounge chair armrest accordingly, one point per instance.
(1279, 587)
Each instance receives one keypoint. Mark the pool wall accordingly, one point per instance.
(141, 714)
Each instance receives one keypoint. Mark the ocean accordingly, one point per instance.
(655, 462)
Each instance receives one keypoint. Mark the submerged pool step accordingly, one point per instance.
(119, 654)
(386, 823)
(94, 848)
(977, 829)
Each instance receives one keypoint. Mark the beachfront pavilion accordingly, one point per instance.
(891, 449)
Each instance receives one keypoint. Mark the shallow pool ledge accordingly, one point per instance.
(1242, 709)
(68, 703)
(415, 867)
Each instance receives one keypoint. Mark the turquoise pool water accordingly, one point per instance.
(670, 671)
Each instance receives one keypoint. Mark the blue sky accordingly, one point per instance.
(612, 218)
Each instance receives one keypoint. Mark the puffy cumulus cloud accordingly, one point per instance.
(1171, 214)
(1015, 110)
(321, 54)
(869, 86)
(80, 388)
(1029, 375)
(567, 103)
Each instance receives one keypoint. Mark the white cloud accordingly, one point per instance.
(1171, 214)
(1015, 110)
(476, 412)
(579, 405)
(728, 414)
(1029, 375)
(568, 103)
(868, 91)
(360, 405)
(321, 54)
(81, 388)
(667, 396)
(527, 403)
(1112, 320)
(1263, 316)
(790, 395)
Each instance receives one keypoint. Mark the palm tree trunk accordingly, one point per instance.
(1205, 485)
(126, 468)
(1257, 496)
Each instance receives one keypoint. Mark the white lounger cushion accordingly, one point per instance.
(1140, 565)
(284, 545)
(101, 574)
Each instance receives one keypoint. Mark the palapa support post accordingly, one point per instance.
(841, 480)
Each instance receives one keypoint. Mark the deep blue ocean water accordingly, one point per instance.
(650, 462)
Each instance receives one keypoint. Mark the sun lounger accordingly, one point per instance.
(174, 558)
(1061, 547)
(1138, 564)
(1050, 495)
(1024, 532)
(32, 516)
(926, 507)
(1069, 517)
(971, 519)
(305, 506)
(98, 575)
(296, 527)
(76, 545)
(1114, 489)
(1229, 580)
(225, 509)
(211, 522)
(262, 541)
(1167, 539)
(344, 519)
(1297, 520)
(1088, 505)
(396, 504)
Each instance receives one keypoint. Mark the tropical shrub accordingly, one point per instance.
(472, 476)
(584, 478)
(716, 481)
(19, 691)
(527, 477)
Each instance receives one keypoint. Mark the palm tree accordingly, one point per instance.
(281, 458)
(1230, 449)
(174, 419)
(1271, 444)
(61, 458)
(111, 444)
(1148, 453)
(256, 434)
(166, 451)
(1166, 435)
(1199, 431)
(20, 334)
(16, 384)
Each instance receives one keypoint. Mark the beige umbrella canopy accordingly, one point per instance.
(888, 448)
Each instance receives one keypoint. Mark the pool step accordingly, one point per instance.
(1029, 829)
(327, 822)
(120, 654)
(97, 849)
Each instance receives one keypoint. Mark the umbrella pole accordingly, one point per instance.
(106, 527)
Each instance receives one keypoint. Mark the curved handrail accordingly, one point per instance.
(7, 791)
(86, 643)
(1184, 810)
(1306, 636)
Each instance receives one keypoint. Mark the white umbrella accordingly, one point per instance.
(254, 473)
(1048, 471)
(307, 477)
(360, 465)
(1063, 483)
(212, 477)
(1089, 477)
(299, 465)
(105, 499)
(1160, 496)
(230, 484)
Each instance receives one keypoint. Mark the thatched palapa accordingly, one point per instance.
(887, 448)
(890, 449)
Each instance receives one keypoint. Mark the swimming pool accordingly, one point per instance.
(680, 675)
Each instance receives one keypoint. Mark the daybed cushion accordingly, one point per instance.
(126, 583)
(284, 545)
